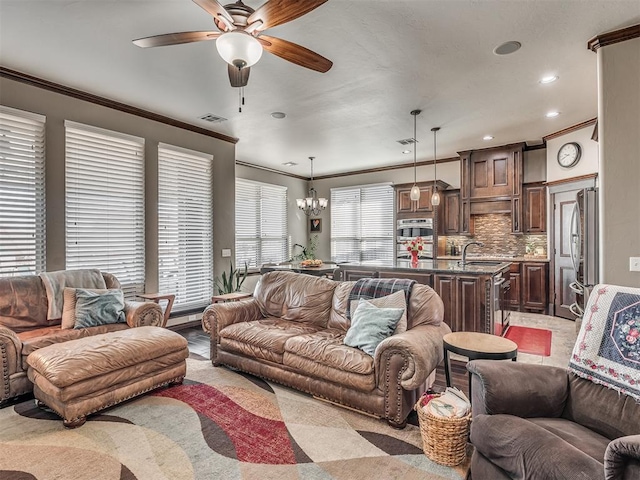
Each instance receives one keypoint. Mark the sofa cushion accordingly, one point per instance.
(590, 442)
(23, 303)
(524, 449)
(98, 308)
(32, 340)
(425, 307)
(315, 370)
(326, 347)
(295, 297)
(370, 325)
(264, 338)
(601, 409)
(395, 300)
(338, 316)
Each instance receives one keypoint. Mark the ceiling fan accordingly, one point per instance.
(240, 40)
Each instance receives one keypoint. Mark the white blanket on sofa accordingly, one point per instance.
(55, 282)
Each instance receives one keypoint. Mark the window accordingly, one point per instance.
(362, 223)
(261, 223)
(22, 207)
(185, 226)
(105, 204)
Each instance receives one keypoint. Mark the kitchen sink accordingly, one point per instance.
(488, 263)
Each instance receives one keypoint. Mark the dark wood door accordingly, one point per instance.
(534, 286)
(424, 202)
(563, 274)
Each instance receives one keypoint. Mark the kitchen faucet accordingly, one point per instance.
(464, 250)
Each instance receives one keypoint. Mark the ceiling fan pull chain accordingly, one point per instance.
(240, 100)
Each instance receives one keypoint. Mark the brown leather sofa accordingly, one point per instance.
(292, 332)
(24, 327)
(543, 423)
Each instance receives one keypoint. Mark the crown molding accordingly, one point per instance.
(105, 102)
(570, 129)
(616, 36)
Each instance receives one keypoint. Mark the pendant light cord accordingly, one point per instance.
(435, 163)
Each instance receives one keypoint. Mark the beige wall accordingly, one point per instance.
(588, 163)
(619, 172)
(57, 108)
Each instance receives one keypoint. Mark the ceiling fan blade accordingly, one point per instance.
(214, 8)
(175, 39)
(277, 12)
(239, 77)
(297, 54)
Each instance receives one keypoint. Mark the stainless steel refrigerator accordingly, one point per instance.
(584, 247)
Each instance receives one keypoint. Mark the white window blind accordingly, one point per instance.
(22, 202)
(362, 223)
(105, 204)
(261, 223)
(185, 236)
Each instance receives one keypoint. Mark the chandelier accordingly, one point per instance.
(312, 205)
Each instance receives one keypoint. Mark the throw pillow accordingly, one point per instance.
(93, 309)
(370, 325)
(69, 305)
(395, 300)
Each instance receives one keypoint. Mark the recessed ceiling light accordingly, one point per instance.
(549, 79)
(488, 137)
(406, 151)
(552, 114)
(289, 164)
(278, 115)
(507, 48)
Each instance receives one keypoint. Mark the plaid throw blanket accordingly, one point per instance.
(607, 351)
(368, 288)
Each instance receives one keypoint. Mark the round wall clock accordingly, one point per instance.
(569, 154)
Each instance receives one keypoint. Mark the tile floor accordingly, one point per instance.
(562, 339)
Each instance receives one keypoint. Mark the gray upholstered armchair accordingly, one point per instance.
(543, 422)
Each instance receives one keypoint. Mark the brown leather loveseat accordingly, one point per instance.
(292, 332)
(24, 327)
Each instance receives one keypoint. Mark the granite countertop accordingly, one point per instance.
(500, 258)
(485, 267)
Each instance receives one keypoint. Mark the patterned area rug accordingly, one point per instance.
(218, 425)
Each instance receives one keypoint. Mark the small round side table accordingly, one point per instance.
(476, 346)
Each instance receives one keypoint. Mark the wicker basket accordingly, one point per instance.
(444, 440)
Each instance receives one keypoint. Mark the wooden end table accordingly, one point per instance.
(156, 297)
(230, 297)
(477, 346)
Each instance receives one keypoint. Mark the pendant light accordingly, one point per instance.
(435, 198)
(415, 190)
(312, 205)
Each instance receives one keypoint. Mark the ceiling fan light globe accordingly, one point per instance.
(415, 193)
(239, 49)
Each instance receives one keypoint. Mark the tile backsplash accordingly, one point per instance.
(494, 230)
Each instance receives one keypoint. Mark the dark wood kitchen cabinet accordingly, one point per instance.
(407, 208)
(491, 182)
(534, 286)
(463, 299)
(515, 291)
(535, 205)
(451, 202)
(423, 278)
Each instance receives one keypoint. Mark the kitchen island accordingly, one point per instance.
(472, 294)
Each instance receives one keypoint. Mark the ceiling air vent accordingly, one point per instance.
(210, 117)
(407, 141)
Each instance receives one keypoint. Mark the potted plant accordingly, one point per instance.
(233, 282)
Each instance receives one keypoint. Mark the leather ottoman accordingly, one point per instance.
(80, 377)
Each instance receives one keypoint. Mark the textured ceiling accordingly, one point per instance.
(390, 57)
